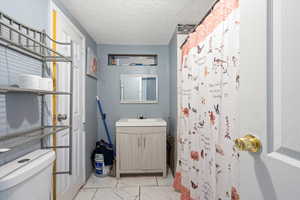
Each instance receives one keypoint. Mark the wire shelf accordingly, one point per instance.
(5, 89)
(12, 141)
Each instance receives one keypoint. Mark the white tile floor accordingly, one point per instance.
(128, 188)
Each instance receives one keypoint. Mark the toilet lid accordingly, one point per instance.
(24, 167)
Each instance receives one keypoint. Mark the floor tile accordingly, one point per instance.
(168, 181)
(86, 194)
(136, 181)
(159, 193)
(117, 193)
(100, 182)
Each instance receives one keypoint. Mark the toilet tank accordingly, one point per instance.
(28, 177)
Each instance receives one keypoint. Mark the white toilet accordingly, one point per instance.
(28, 177)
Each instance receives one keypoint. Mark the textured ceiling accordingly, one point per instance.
(148, 22)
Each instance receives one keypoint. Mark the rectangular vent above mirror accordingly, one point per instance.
(132, 60)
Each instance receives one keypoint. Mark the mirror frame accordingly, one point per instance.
(122, 101)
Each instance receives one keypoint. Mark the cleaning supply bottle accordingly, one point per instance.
(99, 165)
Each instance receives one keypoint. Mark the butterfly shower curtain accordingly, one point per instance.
(208, 84)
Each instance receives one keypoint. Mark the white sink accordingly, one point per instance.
(141, 122)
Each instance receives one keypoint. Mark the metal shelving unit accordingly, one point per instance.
(35, 44)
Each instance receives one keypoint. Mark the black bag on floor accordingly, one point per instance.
(103, 148)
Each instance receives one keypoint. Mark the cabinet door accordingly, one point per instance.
(153, 151)
(129, 151)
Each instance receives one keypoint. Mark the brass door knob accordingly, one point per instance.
(248, 143)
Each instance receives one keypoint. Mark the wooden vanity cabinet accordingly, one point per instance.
(141, 150)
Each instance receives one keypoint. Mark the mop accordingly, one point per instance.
(109, 145)
(103, 117)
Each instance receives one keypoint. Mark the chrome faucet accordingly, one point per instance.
(140, 116)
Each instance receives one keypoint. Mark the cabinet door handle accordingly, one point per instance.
(144, 142)
(139, 141)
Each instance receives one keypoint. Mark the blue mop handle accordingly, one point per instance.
(103, 120)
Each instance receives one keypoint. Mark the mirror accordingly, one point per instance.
(139, 88)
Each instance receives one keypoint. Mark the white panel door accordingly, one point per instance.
(68, 185)
(270, 98)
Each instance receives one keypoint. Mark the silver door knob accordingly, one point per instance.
(61, 117)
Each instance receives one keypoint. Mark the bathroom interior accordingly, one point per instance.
(149, 100)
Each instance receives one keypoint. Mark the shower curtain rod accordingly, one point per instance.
(205, 16)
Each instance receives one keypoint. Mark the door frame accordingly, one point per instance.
(53, 6)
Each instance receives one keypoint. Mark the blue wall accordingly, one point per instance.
(174, 49)
(35, 13)
(109, 84)
(173, 84)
